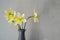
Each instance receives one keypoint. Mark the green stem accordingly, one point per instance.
(19, 26)
(22, 25)
(29, 17)
(25, 25)
(27, 20)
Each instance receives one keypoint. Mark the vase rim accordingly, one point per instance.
(21, 30)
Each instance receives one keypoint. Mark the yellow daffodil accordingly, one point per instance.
(19, 19)
(12, 17)
(35, 16)
(8, 13)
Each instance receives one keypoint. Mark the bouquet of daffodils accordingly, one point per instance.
(18, 19)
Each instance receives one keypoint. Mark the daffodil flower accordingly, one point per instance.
(12, 17)
(8, 13)
(19, 19)
(35, 16)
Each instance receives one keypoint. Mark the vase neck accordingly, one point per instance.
(21, 34)
(21, 30)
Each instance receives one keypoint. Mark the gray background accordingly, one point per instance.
(48, 27)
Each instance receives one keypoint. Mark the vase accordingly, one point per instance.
(21, 34)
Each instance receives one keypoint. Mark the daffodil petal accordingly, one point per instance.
(24, 20)
(35, 16)
(14, 13)
(9, 22)
(18, 14)
(23, 15)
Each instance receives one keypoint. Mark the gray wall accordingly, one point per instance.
(46, 29)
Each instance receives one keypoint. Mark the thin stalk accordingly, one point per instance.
(27, 20)
(29, 17)
(19, 26)
(25, 25)
(22, 25)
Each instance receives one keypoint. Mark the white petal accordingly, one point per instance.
(23, 15)
(9, 21)
(25, 20)
(18, 14)
(35, 13)
(35, 20)
(14, 13)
